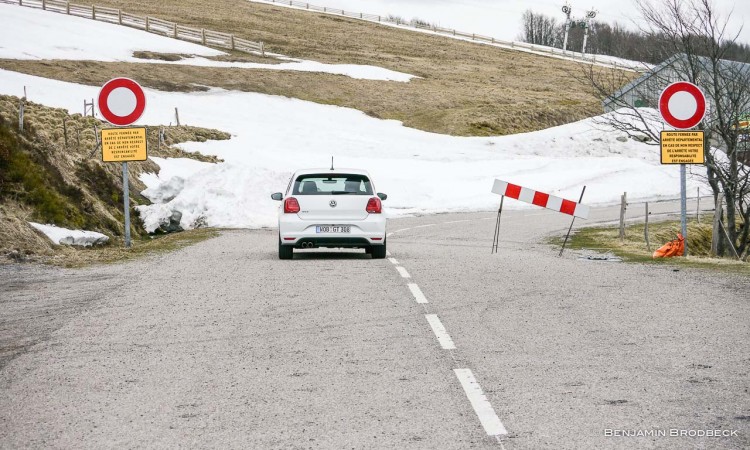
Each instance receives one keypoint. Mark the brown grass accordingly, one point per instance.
(634, 249)
(465, 89)
(114, 252)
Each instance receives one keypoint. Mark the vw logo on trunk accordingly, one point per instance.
(333, 203)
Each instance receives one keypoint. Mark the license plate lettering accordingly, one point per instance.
(333, 229)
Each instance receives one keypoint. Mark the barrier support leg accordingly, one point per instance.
(496, 239)
(567, 236)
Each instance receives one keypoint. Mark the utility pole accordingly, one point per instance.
(587, 25)
(566, 10)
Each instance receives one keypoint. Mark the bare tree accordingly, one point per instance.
(695, 44)
(540, 29)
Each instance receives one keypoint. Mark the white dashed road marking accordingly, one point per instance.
(442, 335)
(418, 295)
(482, 407)
(403, 272)
(479, 402)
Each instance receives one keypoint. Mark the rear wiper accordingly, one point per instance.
(343, 193)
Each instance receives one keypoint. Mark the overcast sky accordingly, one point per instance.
(501, 18)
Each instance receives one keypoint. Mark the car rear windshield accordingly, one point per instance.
(332, 184)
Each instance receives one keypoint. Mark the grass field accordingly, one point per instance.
(465, 89)
(634, 249)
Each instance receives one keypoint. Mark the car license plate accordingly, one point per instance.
(333, 229)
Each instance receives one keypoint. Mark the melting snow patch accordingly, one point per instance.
(70, 237)
(45, 31)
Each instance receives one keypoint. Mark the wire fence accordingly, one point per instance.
(147, 23)
(452, 32)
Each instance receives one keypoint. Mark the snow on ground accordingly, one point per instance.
(70, 237)
(48, 35)
(421, 172)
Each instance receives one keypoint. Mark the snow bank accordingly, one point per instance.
(71, 237)
(421, 172)
(49, 35)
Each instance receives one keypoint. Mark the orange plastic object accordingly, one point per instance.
(671, 248)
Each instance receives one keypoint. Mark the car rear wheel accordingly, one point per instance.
(285, 251)
(378, 251)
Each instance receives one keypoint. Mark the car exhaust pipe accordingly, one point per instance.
(307, 245)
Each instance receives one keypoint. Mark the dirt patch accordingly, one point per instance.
(160, 56)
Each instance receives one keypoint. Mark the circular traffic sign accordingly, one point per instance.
(121, 101)
(682, 105)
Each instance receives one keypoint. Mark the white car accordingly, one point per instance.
(333, 209)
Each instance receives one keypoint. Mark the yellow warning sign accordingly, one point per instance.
(124, 144)
(682, 147)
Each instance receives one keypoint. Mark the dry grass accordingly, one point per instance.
(45, 179)
(113, 252)
(465, 89)
(634, 249)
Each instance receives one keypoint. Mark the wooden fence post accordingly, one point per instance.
(203, 36)
(44, 5)
(67, 8)
(262, 49)
(645, 231)
(715, 236)
(177, 116)
(65, 130)
(93, 12)
(20, 115)
(174, 31)
(148, 25)
(623, 208)
(119, 16)
(231, 40)
(698, 209)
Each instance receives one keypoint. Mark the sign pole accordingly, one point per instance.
(121, 103)
(126, 202)
(683, 205)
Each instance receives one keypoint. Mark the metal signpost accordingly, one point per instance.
(121, 103)
(682, 105)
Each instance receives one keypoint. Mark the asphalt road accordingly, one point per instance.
(444, 345)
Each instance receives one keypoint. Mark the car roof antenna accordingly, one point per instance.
(332, 163)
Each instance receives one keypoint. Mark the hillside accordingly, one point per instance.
(465, 89)
(47, 177)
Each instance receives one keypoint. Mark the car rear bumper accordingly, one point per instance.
(294, 231)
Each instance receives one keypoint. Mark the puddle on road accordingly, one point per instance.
(600, 258)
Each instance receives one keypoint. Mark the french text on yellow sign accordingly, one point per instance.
(682, 147)
(124, 144)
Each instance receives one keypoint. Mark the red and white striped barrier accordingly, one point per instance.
(541, 199)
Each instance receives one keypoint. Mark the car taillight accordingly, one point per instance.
(291, 206)
(374, 206)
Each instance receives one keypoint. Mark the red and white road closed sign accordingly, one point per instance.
(541, 199)
(122, 101)
(682, 105)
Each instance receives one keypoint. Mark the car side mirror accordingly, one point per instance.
(277, 196)
(382, 196)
